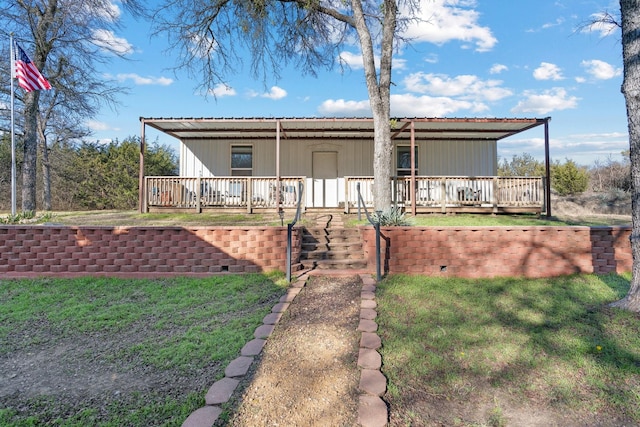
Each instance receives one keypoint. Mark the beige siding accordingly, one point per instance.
(355, 157)
(453, 158)
(206, 158)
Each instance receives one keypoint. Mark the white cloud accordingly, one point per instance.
(584, 149)
(466, 87)
(442, 21)
(557, 22)
(143, 81)
(601, 23)
(343, 108)
(547, 71)
(275, 93)
(407, 105)
(427, 106)
(354, 61)
(497, 68)
(601, 70)
(222, 90)
(97, 126)
(108, 11)
(543, 103)
(109, 41)
(431, 59)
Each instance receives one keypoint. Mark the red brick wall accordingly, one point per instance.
(477, 252)
(56, 250)
(452, 251)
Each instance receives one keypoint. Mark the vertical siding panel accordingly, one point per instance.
(355, 157)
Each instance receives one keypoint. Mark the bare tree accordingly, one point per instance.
(67, 40)
(309, 33)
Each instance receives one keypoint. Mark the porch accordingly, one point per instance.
(431, 194)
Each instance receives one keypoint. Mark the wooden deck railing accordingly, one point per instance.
(223, 192)
(432, 193)
(450, 192)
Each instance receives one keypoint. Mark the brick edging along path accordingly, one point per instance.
(372, 410)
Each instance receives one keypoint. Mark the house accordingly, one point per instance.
(440, 164)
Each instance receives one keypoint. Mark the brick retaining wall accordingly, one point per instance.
(473, 252)
(147, 251)
(477, 252)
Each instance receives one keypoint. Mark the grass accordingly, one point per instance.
(520, 220)
(510, 345)
(467, 352)
(133, 218)
(185, 324)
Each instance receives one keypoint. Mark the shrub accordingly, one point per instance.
(393, 217)
(568, 178)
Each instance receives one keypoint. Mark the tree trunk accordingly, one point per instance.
(379, 98)
(630, 13)
(29, 165)
(46, 174)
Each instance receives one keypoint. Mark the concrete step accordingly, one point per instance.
(324, 247)
(331, 233)
(332, 254)
(334, 264)
(333, 246)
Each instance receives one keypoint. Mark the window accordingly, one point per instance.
(241, 160)
(403, 160)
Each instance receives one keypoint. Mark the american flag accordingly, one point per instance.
(29, 78)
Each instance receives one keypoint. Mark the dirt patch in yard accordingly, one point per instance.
(45, 371)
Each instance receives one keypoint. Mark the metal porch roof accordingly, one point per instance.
(252, 129)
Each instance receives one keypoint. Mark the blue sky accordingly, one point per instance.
(469, 58)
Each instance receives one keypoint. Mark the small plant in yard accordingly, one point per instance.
(392, 217)
(496, 417)
(26, 217)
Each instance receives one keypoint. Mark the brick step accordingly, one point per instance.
(331, 254)
(334, 264)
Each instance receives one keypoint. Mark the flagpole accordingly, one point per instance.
(13, 142)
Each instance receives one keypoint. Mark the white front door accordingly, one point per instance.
(325, 179)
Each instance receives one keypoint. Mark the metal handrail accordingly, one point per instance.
(376, 226)
(290, 231)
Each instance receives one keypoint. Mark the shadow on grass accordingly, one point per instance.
(459, 349)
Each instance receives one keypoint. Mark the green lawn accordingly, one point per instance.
(483, 352)
(455, 352)
(181, 330)
(521, 220)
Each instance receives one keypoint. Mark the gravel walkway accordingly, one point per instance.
(317, 367)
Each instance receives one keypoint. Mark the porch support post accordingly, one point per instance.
(547, 165)
(412, 185)
(278, 165)
(142, 194)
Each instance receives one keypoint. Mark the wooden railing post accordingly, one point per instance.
(443, 194)
(249, 195)
(199, 194)
(495, 195)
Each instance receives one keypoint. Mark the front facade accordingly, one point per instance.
(236, 163)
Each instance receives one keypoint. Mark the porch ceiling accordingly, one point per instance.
(253, 129)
